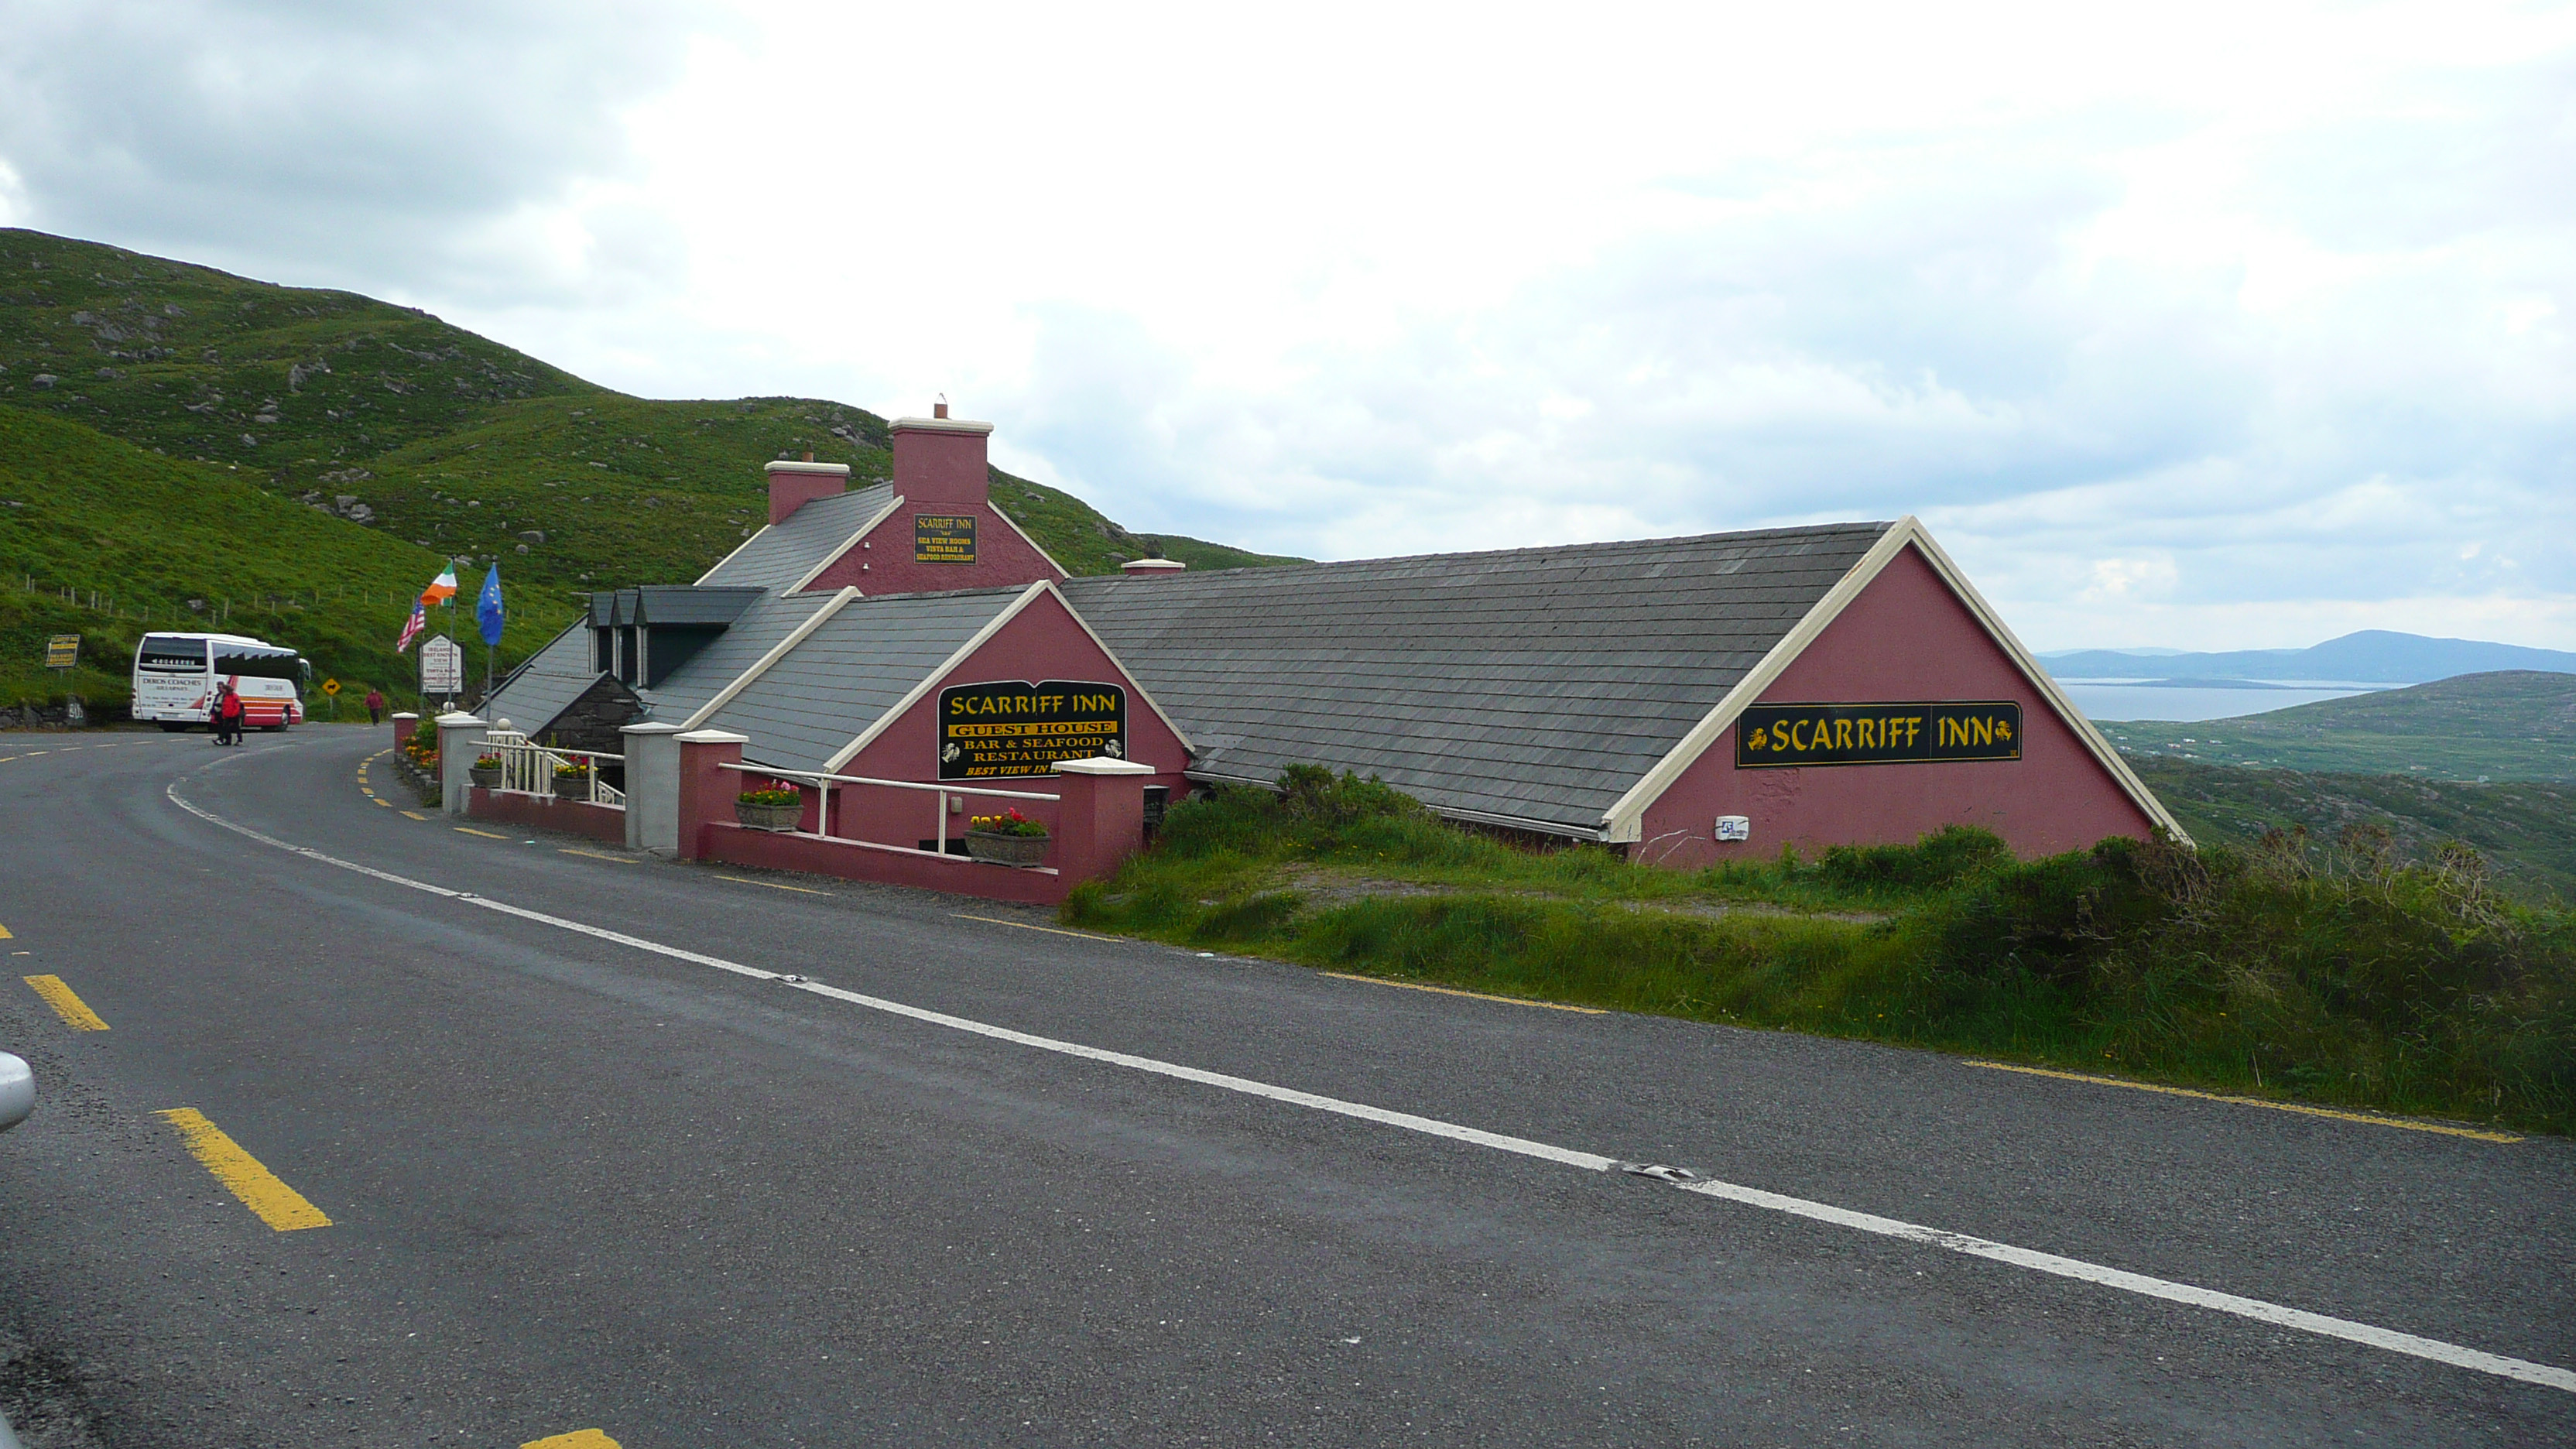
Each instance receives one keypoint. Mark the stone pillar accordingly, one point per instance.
(706, 788)
(460, 739)
(404, 724)
(1101, 821)
(652, 787)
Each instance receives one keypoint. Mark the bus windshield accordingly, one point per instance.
(166, 652)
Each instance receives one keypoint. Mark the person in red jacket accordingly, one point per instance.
(228, 716)
(375, 705)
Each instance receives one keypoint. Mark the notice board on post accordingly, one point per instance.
(62, 651)
(442, 666)
(943, 538)
(1013, 727)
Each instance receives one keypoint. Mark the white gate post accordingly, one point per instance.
(460, 739)
(652, 787)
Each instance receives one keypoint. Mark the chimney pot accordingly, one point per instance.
(939, 409)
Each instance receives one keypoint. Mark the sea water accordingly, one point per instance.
(2131, 699)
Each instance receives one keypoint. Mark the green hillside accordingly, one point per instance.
(396, 420)
(2527, 831)
(2513, 725)
(141, 541)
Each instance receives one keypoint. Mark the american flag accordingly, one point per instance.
(411, 629)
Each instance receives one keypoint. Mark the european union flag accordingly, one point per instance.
(487, 609)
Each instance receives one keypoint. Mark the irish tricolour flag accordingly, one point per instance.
(441, 589)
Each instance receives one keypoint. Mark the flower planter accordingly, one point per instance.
(572, 787)
(485, 779)
(769, 817)
(1006, 849)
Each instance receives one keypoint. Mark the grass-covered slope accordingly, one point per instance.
(2526, 829)
(2343, 972)
(430, 433)
(2509, 725)
(161, 543)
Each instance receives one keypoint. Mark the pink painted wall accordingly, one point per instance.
(544, 812)
(1906, 638)
(723, 841)
(882, 562)
(1043, 642)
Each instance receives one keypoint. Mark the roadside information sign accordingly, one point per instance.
(442, 666)
(62, 651)
(330, 686)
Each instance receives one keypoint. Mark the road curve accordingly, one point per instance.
(566, 1181)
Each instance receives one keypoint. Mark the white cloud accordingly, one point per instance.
(2242, 342)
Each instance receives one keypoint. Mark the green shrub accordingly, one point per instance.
(1948, 854)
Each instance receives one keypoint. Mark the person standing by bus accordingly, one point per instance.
(375, 705)
(228, 716)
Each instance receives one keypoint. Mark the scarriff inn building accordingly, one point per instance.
(1684, 699)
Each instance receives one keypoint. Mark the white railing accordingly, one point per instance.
(825, 783)
(528, 768)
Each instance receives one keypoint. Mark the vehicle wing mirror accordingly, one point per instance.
(17, 1091)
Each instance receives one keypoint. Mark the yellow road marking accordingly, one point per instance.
(577, 1439)
(31, 754)
(486, 834)
(1025, 926)
(773, 885)
(279, 1206)
(595, 855)
(416, 815)
(1478, 995)
(2362, 1117)
(388, 804)
(66, 1003)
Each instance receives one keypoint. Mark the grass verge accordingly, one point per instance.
(2344, 975)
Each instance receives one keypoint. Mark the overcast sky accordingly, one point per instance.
(2236, 326)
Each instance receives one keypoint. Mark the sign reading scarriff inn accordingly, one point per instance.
(1018, 728)
(1773, 735)
(947, 538)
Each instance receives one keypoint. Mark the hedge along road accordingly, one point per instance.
(572, 1181)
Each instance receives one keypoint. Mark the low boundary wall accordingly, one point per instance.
(854, 860)
(540, 812)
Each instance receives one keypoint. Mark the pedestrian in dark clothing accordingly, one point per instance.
(375, 706)
(228, 716)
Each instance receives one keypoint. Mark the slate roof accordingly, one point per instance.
(779, 555)
(547, 683)
(853, 668)
(753, 633)
(671, 604)
(1534, 685)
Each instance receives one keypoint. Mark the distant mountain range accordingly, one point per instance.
(2372, 656)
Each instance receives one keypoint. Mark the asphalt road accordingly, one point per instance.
(575, 1183)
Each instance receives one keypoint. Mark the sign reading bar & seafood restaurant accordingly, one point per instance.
(1018, 728)
(1769, 736)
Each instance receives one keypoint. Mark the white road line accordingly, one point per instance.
(2207, 1298)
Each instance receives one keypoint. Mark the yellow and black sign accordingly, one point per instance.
(1017, 728)
(62, 651)
(943, 538)
(330, 686)
(1769, 736)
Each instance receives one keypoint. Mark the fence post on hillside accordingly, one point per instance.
(652, 787)
(460, 739)
(1100, 818)
(706, 788)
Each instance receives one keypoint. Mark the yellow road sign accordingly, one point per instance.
(62, 651)
(330, 686)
